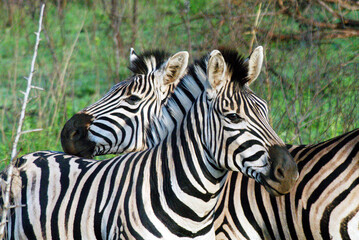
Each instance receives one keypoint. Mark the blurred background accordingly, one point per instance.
(309, 78)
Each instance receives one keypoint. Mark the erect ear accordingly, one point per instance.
(216, 69)
(133, 55)
(133, 58)
(255, 64)
(176, 67)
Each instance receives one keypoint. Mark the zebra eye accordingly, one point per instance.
(133, 99)
(234, 117)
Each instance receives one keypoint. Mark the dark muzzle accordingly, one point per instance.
(283, 172)
(74, 136)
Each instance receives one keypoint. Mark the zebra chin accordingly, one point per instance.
(74, 136)
(283, 172)
(273, 190)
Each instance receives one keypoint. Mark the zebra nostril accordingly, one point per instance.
(73, 134)
(279, 173)
(283, 166)
(77, 134)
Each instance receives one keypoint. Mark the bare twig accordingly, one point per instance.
(116, 20)
(187, 22)
(14, 152)
(329, 9)
(31, 130)
(255, 26)
(134, 23)
(38, 88)
(318, 35)
(350, 5)
(345, 23)
(61, 82)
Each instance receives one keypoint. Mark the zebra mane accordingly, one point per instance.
(237, 66)
(148, 61)
(180, 101)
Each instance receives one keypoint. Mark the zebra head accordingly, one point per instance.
(239, 127)
(116, 122)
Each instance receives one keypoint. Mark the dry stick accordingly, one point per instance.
(6, 196)
(134, 23)
(116, 18)
(3, 111)
(254, 28)
(187, 22)
(63, 73)
(329, 9)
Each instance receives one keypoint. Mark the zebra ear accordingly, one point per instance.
(133, 61)
(176, 67)
(216, 69)
(255, 64)
(133, 56)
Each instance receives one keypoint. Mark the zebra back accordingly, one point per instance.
(322, 205)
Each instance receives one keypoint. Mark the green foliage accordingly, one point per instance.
(311, 85)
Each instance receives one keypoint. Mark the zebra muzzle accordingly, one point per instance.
(283, 172)
(74, 136)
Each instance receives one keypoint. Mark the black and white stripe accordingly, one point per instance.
(322, 205)
(117, 122)
(328, 185)
(264, 219)
(168, 191)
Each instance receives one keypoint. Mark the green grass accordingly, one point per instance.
(319, 88)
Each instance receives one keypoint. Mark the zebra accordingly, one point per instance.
(164, 191)
(116, 122)
(323, 204)
(234, 220)
(196, 78)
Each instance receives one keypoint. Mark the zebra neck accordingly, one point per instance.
(190, 181)
(192, 137)
(177, 106)
(195, 135)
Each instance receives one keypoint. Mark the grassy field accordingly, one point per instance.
(311, 84)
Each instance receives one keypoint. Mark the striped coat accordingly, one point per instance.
(165, 191)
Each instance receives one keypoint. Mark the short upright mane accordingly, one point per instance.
(148, 61)
(236, 65)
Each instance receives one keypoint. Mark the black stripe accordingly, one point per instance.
(324, 222)
(289, 218)
(102, 136)
(25, 219)
(189, 157)
(161, 214)
(172, 200)
(181, 176)
(267, 229)
(42, 164)
(64, 186)
(119, 190)
(319, 164)
(82, 200)
(246, 210)
(146, 222)
(81, 165)
(127, 210)
(97, 223)
(344, 224)
(278, 224)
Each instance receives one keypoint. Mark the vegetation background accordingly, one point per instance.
(309, 78)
